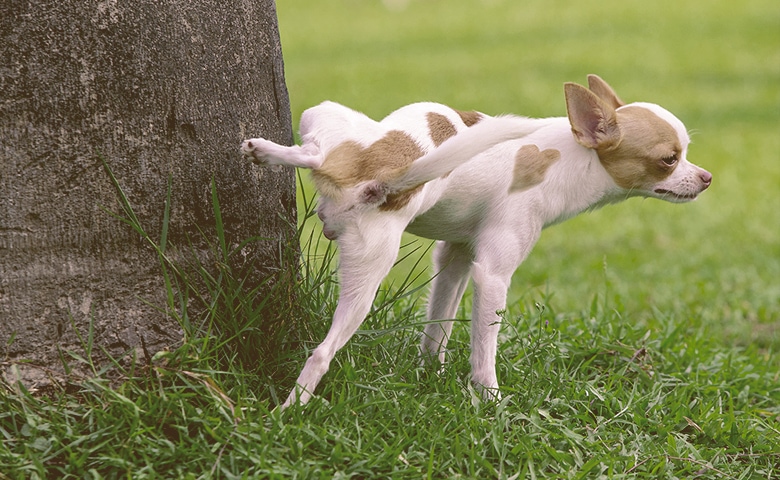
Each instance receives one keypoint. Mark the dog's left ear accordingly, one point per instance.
(593, 121)
(604, 91)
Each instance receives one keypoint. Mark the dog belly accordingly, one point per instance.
(449, 221)
(455, 207)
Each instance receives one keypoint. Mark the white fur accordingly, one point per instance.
(485, 229)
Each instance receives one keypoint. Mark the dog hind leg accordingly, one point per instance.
(363, 263)
(452, 263)
(260, 151)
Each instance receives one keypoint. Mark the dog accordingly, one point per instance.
(484, 187)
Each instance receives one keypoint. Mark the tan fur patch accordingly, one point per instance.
(531, 165)
(636, 162)
(397, 201)
(439, 127)
(384, 160)
(469, 118)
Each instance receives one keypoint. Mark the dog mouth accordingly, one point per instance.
(670, 195)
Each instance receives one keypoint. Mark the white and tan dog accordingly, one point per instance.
(485, 187)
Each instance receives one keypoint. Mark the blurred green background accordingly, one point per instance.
(715, 64)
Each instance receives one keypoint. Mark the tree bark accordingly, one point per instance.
(161, 91)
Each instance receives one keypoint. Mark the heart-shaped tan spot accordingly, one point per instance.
(531, 165)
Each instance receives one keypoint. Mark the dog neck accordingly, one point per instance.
(577, 182)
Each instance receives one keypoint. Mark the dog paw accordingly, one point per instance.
(489, 393)
(255, 149)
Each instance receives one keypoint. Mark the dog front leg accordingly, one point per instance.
(363, 263)
(451, 263)
(498, 255)
(490, 290)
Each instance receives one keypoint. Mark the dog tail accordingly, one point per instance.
(464, 146)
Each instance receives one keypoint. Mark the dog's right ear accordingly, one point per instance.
(593, 121)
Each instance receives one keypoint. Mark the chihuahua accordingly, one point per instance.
(484, 187)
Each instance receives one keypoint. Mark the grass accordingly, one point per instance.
(640, 341)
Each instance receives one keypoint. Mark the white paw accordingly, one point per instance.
(487, 390)
(255, 150)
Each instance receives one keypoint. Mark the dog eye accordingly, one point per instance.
(670, 160)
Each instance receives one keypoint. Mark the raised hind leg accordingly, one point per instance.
(260, 151)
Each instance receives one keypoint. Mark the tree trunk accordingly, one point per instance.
(162, 91)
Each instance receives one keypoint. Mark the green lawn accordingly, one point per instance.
(640, 341)
(715, 64)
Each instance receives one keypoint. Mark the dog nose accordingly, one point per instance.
(706, 178)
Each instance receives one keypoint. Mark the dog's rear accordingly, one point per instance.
(347, 150)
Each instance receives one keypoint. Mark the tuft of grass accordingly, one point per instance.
(225, 321)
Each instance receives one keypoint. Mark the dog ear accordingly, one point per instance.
(593, 121)
(604, 91)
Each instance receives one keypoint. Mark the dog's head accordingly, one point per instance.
(642, 146)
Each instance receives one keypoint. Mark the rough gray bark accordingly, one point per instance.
(161, 90)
